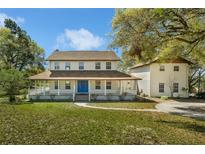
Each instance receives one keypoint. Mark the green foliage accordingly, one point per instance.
(149, 33)
(164, 97)
(20, 57)
(17, 50)
(11, 83)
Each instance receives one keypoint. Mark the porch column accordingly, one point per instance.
(41, 86)
(74, 91)
(120, 87)
(89, 90)
(44, 88)
(35, 87)
(105, 92)
(58, 88)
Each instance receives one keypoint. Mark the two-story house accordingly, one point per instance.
(163, 78)
(83, 75)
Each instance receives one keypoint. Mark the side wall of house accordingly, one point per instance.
(143, 73)
(168, 77)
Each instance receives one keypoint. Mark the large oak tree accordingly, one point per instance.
(20, 57)
(166, 33)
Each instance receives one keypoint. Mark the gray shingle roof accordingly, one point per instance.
(84, 55)
(85, 74)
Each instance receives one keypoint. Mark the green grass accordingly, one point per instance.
(133, 105)
(65, 123)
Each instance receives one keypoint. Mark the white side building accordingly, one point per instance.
(168, 78)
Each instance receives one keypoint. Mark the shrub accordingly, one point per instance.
(164, 97)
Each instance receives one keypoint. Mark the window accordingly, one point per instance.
(67, 84)
(161, 87)
(176, 68)
(97, 84)
(56, 66)
(175, 87)
(81, 65)
(161, 68)
(56, 85)
(108, 85)
(108, 65)
(67, 65)
(97, 66)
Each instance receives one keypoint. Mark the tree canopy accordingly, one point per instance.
(17, 50)
(20, 57)
(148, 33)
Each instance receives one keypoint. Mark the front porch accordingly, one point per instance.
(101, 90)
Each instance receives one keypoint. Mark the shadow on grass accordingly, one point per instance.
(189, 100)
(193, 109)
(184, 125)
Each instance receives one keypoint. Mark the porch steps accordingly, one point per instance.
(81, 97)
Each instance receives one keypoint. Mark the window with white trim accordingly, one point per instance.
(56, 65)
(56, 84)
(108, 85)
(176, 68)
(108, 65)
(175, 87)
(97, 84)
(81, 65)
(97, 65)
(162, 68)
(67, 65)
(161, 87)
(67, 84)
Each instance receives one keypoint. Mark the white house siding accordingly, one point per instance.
(143, 73)
(88, 65)
(168, 77)
(115, 85)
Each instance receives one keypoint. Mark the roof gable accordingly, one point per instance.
(157, 60)
(83, 56)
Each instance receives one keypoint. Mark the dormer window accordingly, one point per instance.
(162, 68)
(81, 65)
(67, 65)
(176, 68)
(97, 65)
(108, 65)
(56, 66)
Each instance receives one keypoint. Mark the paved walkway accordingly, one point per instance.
(195, 110)
(83, 104)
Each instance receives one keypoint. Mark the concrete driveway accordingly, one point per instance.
(184, 108)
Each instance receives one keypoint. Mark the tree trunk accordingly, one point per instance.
(12, 98)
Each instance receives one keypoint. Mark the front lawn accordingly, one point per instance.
(66, 123)
(132, 105)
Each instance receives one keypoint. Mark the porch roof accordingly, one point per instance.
(85, 74)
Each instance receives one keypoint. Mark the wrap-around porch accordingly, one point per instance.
(94, 89)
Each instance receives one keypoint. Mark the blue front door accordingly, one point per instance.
(83, 86)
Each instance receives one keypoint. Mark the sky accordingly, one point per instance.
(64, 29)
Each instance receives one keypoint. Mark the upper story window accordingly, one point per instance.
(175, 87)
(56, 65)
(97, 84)
(108, 65)
(67, 65)
(176, 68)
(108, 85)
(162, 68)
(81, 65)
(97, 65)
(67, 84)
(161, 87)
